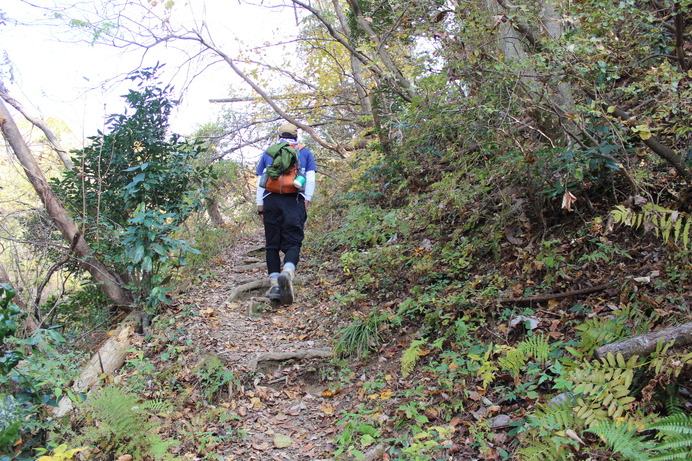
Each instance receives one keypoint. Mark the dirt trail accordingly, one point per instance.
(284, 408)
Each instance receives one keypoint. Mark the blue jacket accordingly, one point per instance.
(306, 159)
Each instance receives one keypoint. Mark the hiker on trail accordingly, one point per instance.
(286, 182)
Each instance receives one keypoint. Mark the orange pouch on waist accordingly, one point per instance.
(283, 184)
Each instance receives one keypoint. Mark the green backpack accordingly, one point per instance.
(284, 157)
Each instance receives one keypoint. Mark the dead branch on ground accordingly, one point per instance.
(566, 294)
(642, 345)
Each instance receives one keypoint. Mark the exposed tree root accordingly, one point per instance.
(249, 267)
(254, 285)
(283, 356)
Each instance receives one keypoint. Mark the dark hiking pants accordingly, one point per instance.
(284, 221)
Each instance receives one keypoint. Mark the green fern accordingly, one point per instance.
(540, 450)
(158, 406)
(513, 361)
(545, 438)
(597, 332)
(675, 433)
(487, 368)
(670, 225)
(603, 388)
(536, 347)
(123, 423)
(555, 417)
(623, 440)
(515, 358)
(410, 356)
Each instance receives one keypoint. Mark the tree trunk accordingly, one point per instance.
(356, 69)
(110, 284)
(401, 85)
(515, 42)
(214, 212)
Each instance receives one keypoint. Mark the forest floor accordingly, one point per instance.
(278, 408)
(283, 409)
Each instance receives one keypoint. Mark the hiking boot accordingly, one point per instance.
(286, 287)
(274, 292)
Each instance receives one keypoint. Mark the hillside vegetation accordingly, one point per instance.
(503, 190)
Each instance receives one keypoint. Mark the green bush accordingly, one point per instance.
(132, 200)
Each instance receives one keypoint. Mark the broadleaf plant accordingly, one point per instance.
(134, 185)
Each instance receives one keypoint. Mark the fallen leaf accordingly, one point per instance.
(555, 335)
(573, 435)
(330, 393)
(386, 394)
(532, 322)
(256, 403)
(475, 396)
(327, 409)
(263, 446)
(282, 441)
(500, 421)
(568, 199)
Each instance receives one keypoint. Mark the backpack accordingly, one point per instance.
(284, 168)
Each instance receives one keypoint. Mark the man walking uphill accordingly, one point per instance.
(286, 182)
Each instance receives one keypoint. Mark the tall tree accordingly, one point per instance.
(108, 281)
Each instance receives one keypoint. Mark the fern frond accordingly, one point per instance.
(671, 457)
(513, 361)
(671, 225)
(410, 356)
(157, 406)
(676, 434)
(676, 445)
(597, 332)
(536, 346)
(555, 417)
(124, 423)
(486, 370)
(622, 440)
(538, 450)
(678, 424)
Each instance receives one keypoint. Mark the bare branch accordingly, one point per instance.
(659, 149)
(41, 125)
(331, 146)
